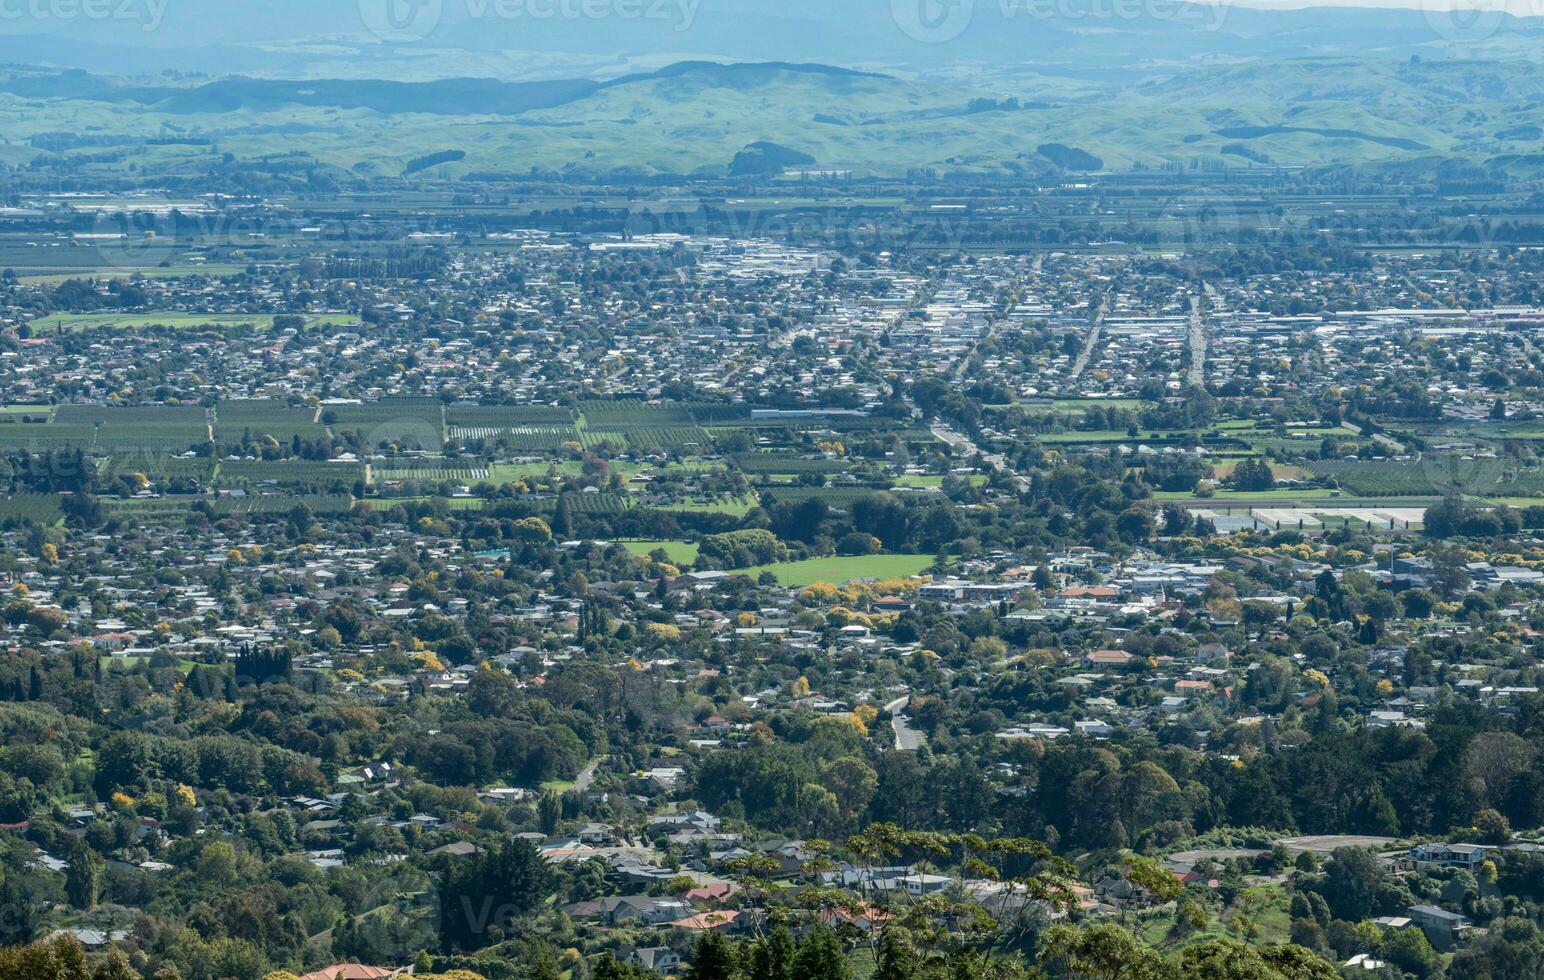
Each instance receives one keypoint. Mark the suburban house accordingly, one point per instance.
(1121, 893)
(918, 885)
(358, 971)
(1442, 855)
(660, 959)
(1109, 658)
(1442, 927)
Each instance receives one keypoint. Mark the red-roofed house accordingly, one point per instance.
(358, 971)
(716, 892)
(704, 921)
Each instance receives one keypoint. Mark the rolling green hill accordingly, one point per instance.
(698, 117)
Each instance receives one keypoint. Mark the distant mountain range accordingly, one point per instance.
(448, 97)
(535, 39)
(1003, 90)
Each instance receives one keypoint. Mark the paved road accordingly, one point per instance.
(1196, 376)
(906, 739)
(586, 777)
(958, 374)
(965, 447)
(1095, 328)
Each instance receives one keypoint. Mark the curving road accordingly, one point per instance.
(586, 777)
(907, 739)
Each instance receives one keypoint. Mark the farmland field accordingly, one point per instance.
(592, 503)
(509, 472)
(174, 508)
(428, 470)
(330, 503)
(25, 413)
(240, 421)
(519, 438)
(625, 413)
(302, 474)
(34, 508)
(733, 506)
(666, 437)
(787, 464)
(43, 438)
(507, 416)
(167, 415)
(450, 503)
(158, 469)
(1434, 475)
(409, 423)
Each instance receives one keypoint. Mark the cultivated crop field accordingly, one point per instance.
(632, 413)
(1391, 478)
(158, 469)
(328, 503)
(301, 474)
(48, 437)
(433, 470)
(666, 437)
(507, 416)
(520, 438)
(593, 503)
(410, 423)
(30, 508)
(787, 464)
(241, 421)
(189, 416)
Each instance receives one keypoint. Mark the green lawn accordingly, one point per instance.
(510, 472)
(183, 664)
(839, 570)
(923, 482)
(131, 321)
(680, 552)
(733, 506)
